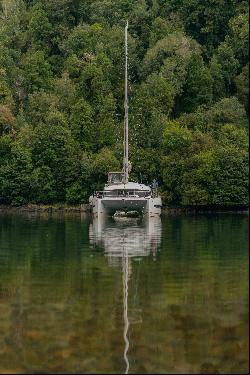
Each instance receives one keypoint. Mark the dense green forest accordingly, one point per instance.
(62, 92)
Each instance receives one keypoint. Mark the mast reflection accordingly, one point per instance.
(123, 240)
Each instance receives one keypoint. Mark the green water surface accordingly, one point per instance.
(139, 297)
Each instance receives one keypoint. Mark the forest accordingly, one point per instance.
(62, 98)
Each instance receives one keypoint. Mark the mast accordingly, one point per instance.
(126, 162)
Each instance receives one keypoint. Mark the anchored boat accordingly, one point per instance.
(119, 193)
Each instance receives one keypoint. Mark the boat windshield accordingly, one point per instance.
(116, 177)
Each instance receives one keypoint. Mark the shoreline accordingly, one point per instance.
(85, 208)
(42, 208)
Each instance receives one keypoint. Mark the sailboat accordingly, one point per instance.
(120, 194)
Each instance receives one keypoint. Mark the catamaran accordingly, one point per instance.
(120, 194)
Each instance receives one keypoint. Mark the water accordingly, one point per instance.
(167, 296)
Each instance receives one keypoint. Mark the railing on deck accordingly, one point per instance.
(127, 194)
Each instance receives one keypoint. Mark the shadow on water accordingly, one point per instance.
(83, 296)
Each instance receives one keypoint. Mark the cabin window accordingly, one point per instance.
(116, 177)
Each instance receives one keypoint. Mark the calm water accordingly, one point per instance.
(167, 296)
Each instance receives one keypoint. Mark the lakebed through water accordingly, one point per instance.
(152, 296)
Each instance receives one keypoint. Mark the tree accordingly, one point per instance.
(201, 169)
(38, 106)
(43, 185)
(177, 142)
(65, 93)
(108, 11)
(12, 21)
(53, 147)
(36, 71)
(103, 162)
(145, 164)
(226, 111)
(81, 40)
(15, 173)
(40, 30)
(225, 62)
(151, 104)
(219, 177)
(175, 44)
(197, 89)
(208, 23)
(5, 91)
(82, 126)
(238, 36)
(7, 120)
(60, 12)
(242, 81)
(161, 27)
(210, 119)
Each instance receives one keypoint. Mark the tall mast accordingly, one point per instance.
(126, 162)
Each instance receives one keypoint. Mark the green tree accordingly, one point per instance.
(238, 36)
(36, 71)
(54, 148)
(212, 118)
(242, 84)
(40, 30)
(208, 23)
(15, 173)
(175, 44)
(43, 185)
(151, 104)
(103, 162)
(5, 91)
(218, 177)
(198, 87)
(161, 27)
(38, 106)
(7, 120)
(82, 126)
(200, 169)
(224, 67)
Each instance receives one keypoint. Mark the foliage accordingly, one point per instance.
(200, 169)
(62, 93)
(15, 173)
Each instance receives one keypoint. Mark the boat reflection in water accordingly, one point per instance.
(123, 240)
(132, 237)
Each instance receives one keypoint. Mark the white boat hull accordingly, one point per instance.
(109, 205)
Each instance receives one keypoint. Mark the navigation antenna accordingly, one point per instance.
(126, 161)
